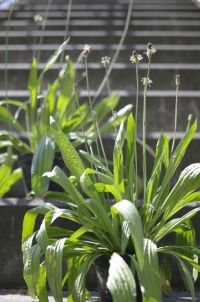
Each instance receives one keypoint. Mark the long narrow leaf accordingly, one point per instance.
(53, 260)
(41, 163)
(132, 217)
(121, 282)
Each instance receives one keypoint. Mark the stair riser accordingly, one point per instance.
(120, 78)
(162, 56)
(160, 113)
(101, 39)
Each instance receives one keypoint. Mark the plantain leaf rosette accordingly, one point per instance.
(103, 202)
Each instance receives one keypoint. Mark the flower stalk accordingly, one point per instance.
(177, 82)
(135, 59)
(146, 82)
(105, 61)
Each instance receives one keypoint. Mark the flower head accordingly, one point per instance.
(105, 61)
(150, 51)
(146, 81)
(135, 58)
(38, 19)
(75, 87)
(177, 80)
(86, 51)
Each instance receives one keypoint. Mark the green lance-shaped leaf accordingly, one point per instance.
(69, 154)
(9, 180)
(8, 176)
(31, 259)
(7, 118)
(121, 282)
(59, 176)
(161, 156)
(194, 197)
(53, 260)
(72, 159)
(41, 289)
(170, 226)
(106, 106)
(95, 161)
(118, 168)
(52, 60)
(187, 278)
(13, 141)
(185, 236)
(5, 172)
(33, 86)
(30, 218)
(130, 156)
(55, 56)
(149, 275)
(175, 160)
(188, 182)
(79, 290)
(65, 101)
(41, 163)
(132, 217)
(117, 119)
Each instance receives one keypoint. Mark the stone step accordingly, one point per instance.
(99, 36)
(20, 296)
(166, 53)
(117, 7)
(107, 14)
(103, 25)
(160, 106)
(162, 75)
(121, 2)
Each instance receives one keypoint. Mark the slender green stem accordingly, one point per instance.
(35, 41)
(82, 127)
(136, 134)
(69, 9)
(91, 107)
(109, 93)
(100, 140)
(43, 27)
(119, 47)
(144, 131)
(175, 119)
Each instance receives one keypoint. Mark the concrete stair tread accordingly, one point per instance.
(15, 296)
(176, 297)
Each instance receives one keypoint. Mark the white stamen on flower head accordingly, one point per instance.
(86, 51)
(146, 81)
(135, 58)
(38, 19)
(150, 51)
(105, 61)
(189, 117)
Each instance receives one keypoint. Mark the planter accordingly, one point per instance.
(102, 266)
(11, 218)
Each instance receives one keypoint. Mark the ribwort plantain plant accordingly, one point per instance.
(111, 222)
(115, 226)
